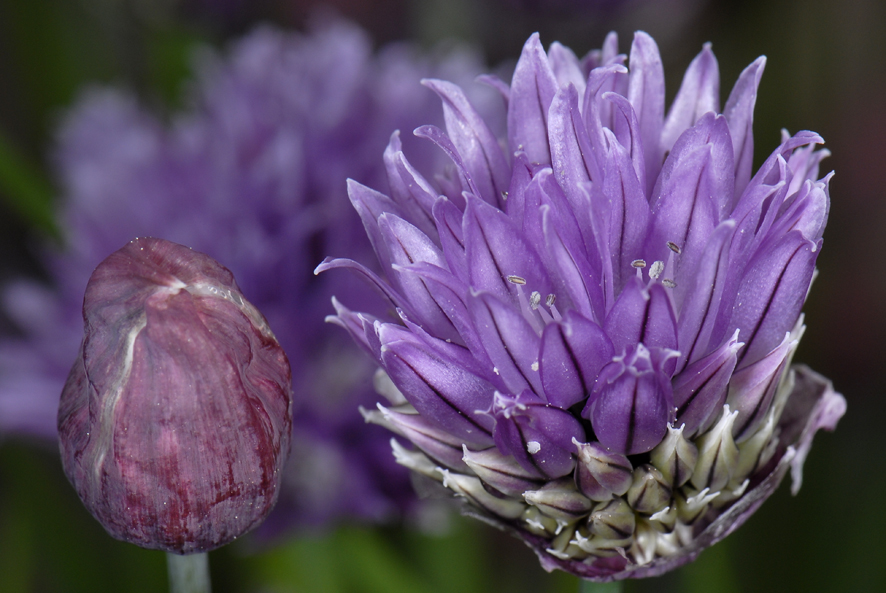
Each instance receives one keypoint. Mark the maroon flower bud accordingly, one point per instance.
(175, 421)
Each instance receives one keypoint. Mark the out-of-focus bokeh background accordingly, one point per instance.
(826, 72)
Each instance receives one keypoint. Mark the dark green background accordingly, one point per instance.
(826, 72)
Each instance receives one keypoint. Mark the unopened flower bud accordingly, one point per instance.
(717, 454)
(602, 473)
(650, 491)
(501, 471)
(612, 520)
(675, 457)
(559, 499)
(175, 421)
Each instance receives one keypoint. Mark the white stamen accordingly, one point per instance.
(533, 447)
(534, 366)
(534, 299)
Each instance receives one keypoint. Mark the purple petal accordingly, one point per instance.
(642, 315)
(693, 190)
(699, 93)
(700, 390)
(627, 211)
(739, 112)
(572, 353)
(440, 390)
(449, 221)
(409, 189)
(631, 404)
(495, 251)
(703, 295)
(477, 146)
(571, 155)
(532, 90)
(439, 137)
(538, 435)
(509, 340)
(771, 295)
(646, 91)
(752, 388)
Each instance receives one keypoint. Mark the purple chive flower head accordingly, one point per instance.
(174, 424)
(595, 316)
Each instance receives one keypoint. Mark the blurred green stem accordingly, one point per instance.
(188, 574)
(25, 188)
(592, 587)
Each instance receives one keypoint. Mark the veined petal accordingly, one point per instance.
(753, 387)
(409, 189)
(771, 295)
(532, 90)
(477, 146)
(566, 67)
(511, 343)
(700, 390)
(699, 93)
(739, 112)
(496, 251)
(646, 92)
(631, 404)
(438, 389)
(538, 435)
(572, 353)
(703, 296)
(691, 199)
(626, 209)
(642, 315)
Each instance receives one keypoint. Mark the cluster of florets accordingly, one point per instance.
(594, 326)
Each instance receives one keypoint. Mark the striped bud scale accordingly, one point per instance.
(175, 421)
(675, 457)
(612, 520)
(559, 499)
(650, 491)
(602, 473)
(717, 454)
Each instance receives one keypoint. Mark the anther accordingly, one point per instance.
(504, 196)
(517, 280)
(534, 299)
(673, 247)
(639, 263)
(550, 300)
(667, 282)
(656, 269)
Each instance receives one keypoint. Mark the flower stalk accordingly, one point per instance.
(188, 574)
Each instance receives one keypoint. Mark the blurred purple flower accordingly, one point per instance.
(252, 175)
(596, 322)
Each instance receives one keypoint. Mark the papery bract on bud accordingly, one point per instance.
(615, 300)
(175, 422)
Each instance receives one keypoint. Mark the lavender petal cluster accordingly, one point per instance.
(596, 314)
(252, 174)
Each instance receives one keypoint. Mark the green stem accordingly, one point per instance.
(592, 587)
(188, 574)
